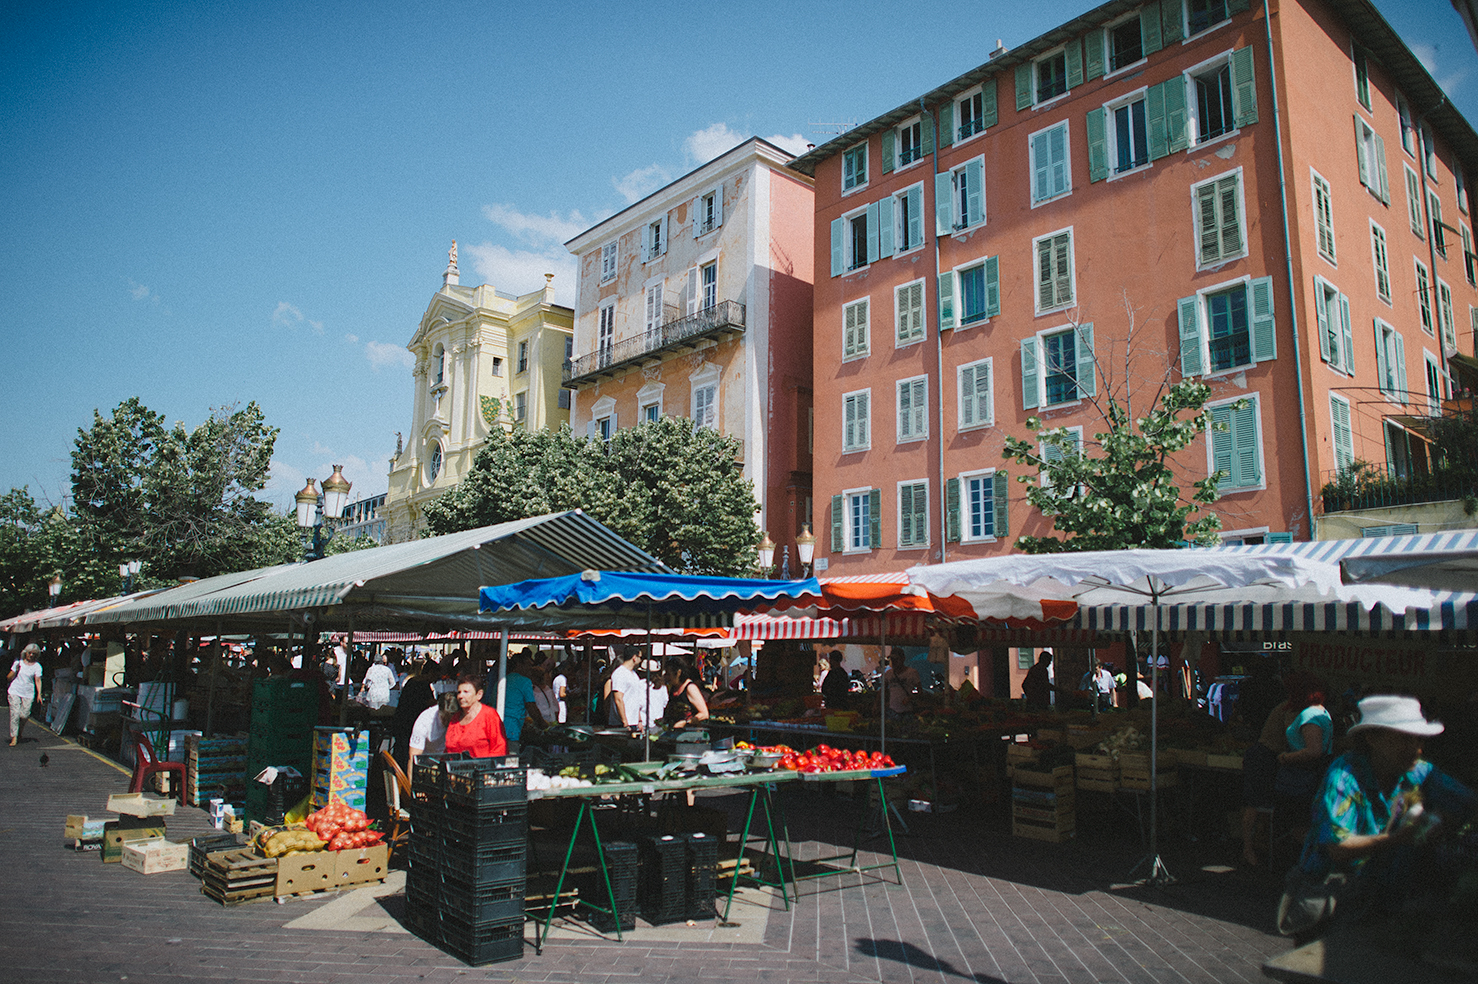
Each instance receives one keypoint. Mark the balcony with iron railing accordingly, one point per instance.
(722, 319)
(1434, 460)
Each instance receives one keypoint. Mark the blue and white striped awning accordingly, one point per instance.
(1334, 551)
(1449, 614)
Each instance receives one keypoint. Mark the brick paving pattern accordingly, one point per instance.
(976, 905)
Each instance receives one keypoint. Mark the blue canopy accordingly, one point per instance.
(668, 595)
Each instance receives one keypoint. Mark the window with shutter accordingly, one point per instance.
(1343, 436)
(705, 411)
(1050, 164)
(1219, 220)
(1214, 111)
(1060, 366)
(654, 307)
(1414, 202)
(608, 254)
(1382, 265)
(855, 330)
(1362, 77)
(976, 406)
(1439, 232)
(1051, 76)
(1424, 298)
(902, 217)
(1125, 44)
(855, 429)
(1436, 383)
(854, 167)
(606, 339)
(1054, 271)
(1370, 153)
(1444, 314)
(860, 520)
(1323, 216)
(1236, 445)
(913, 514)
(913, 409)
(1202, 15)
(909, 326)
(980, 505)
(1469, 260)
(1126, 138)
(1229, 338)
(910, 142)
(970, 113)
(1390, 360)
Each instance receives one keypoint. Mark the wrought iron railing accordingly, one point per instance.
(1373, 488)
(723, 316)
(971, 127)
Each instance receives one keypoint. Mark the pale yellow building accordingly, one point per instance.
(485, 358)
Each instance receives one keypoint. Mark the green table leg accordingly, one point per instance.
(759, 795)
(585, 810)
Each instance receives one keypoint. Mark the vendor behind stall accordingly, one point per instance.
(479, 730)
(685, 702)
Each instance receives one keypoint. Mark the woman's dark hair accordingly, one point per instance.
(1304, 690)
(676, 670)
(472, 678)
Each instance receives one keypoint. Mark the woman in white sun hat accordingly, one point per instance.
(1376, 801)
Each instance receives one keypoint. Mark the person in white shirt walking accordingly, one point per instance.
(25, 688)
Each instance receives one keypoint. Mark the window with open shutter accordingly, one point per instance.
(1382, 265)
(1192, 339)
(913, 514)
(1445, 316)
(1219, 220)
(854, 330)
(976, 409)
(1054, 271)
(1324, 217)
(654, 307)
(913, 409)
(1051, 171)
(1424, 297)
(981, 505)
(1414, 202)
(855, 435)
(1343, 436)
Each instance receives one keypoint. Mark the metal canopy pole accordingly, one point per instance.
(1158, 874)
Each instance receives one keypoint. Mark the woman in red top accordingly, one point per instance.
(479, 731)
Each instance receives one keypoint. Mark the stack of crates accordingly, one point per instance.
(215, 767)
(1044, 804)
(621, 867)
(662, 894)
(283, 713)
(340, 767)
(702, 860)
(465, 881)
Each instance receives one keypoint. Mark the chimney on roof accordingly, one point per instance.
(1000, 49)
(451, 278)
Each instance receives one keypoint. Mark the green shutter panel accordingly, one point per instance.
(885, 227)
(1093, 55)
(875, 512)
(974, 188)
(1042, 168)
(1176, 119)
(1086, 369)
(992, 286)
(1244, 445)
(1244, 88)
(1227, 190)
(872, 233)
(1346, 335)
(946, 301)
(1170, 31)
(1000, 484)
(837, 543)
(1264, 333)
(915, 216)
(968, 402)
(1321, 317)
(1097, 144)
(1154, 119)
(1344, 442)
(1023, 86)
(1382, 179)
(926, 129)
(988, 102)
(1401, 366)
(1237, 6)
(1149, 29)
(1361, 158)
(1221, 442)
(1380, 359)
(952, 510)
(947, 124)
(943, 204)
(905, 515)
(836, 247)
(1189, 310)
(1210, 227)
(905, 410)
(1074, 59)
(888, 138)
(1280, 538)
(1031, 386)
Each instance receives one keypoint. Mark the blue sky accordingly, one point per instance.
(208, 203)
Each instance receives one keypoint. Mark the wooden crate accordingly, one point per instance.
(1097, 773)
(1059, 779)
(1054, 833)
(233, 877)
(1190, 756)
(150, 857)
(1224, 761)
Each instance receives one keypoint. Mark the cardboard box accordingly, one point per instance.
(149, 857)
(311, 871)
(140, 805)
(361, 865)
(82, 828)
(116, 832)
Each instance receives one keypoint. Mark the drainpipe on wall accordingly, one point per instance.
(938, 344)
(1303, 417)
(1425, 215)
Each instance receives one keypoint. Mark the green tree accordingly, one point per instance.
(676, 491)
(24, 566)
(1120, 490)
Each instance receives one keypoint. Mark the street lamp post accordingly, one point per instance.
(127, 571)
(767, 554)
(805, 552)
(320, 521)
(805, 549)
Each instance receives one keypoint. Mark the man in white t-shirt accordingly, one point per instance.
(428, 734)
(25, 688)
(626, 690)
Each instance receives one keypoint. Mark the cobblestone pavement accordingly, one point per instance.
(976, 904)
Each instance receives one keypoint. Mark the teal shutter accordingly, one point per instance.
(952, 510)
(1401, 366)
(999, 484)
(1280, 538)
(888, 137)
(1176, 118)
(1074, 57)
(1244, 445)
(1346, 336)
(926, 128)
(1023, 86)
(1189, 310)
(1344, 441)
(1381, 369)
(838, 544)
(1097, 144)
(885, 227)
(1237, 6)
(1154, 121)
(992, 286)
(974, 192)
(1151, 39)
(1170, 30)
(1093, 55)
(905, 515)
(1264, 333)
(988, 102)
(1087, 366)
(875, 513)
(1031, 386)
(872, 233)
(947, 123)
(1221, 442)
(837, 261)
(946, 301)
(1380, 170)
(915, 216)
(1244, 88)
(943, 204)
(1321, 318)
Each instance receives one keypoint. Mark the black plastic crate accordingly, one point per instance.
(201, 846)
(482, 903)
(484, 864)
(482, 943)
(662, 889)
(424, 920)
(484, 782)
(702, 860)
(429, 771)
(503, 825)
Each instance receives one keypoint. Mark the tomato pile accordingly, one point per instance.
(824, 758)
(342, 827)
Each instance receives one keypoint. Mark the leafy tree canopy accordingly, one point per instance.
(674, 490)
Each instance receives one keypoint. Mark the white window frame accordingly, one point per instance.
(1042, 368)
(1067, 156)
(1221, 261)
(1335, 311)
(958, 290)
(968, 96)
(1324, 217)
(610, 255)
(864, 426)
(1217, 62)
(916, 483)
(1429, 152)
(1416, 216)
(1388, 342)
(899, 341)
(707, 300)
(605, 333)
(851, 263)
(1111, 133)
(1037, 101)
(1426, 317)
(1044, 478)
(987, 477)
(1334, 431)
(1470, 262)
(521, 406)
(654, 239)
(1432, 366)
(988, 367)
(522, 365)
(1262, 464)
(958, 217)
(900, 223)
(1434, 218)
(920, 413)
(650, 395)
(603, 421)
(1408, 128)
(1072, 272)
(1108, 46)
(701, 226)
(1360, 67)
(899, 164)
(1370, 148)
(864, 348)
(851, 544)
(1185, 24)
(1380, 258)
(653, 312)
(1204, 313)
(856, 186)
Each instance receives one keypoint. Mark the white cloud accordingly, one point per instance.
(351, 339)
(520, 271)
(139, 291)
(704, 145)
(642, 182)
(551, 228)
(286, 315)
(795, 143)
(317, 326)
(1427, 55)
(382, 354)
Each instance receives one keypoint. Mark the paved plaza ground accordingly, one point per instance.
(976, 904)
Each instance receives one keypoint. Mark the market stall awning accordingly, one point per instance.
(432, 582)
(1440, 570)
(1334, 551)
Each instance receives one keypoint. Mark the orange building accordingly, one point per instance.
(696, 302)
(1272, 200)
